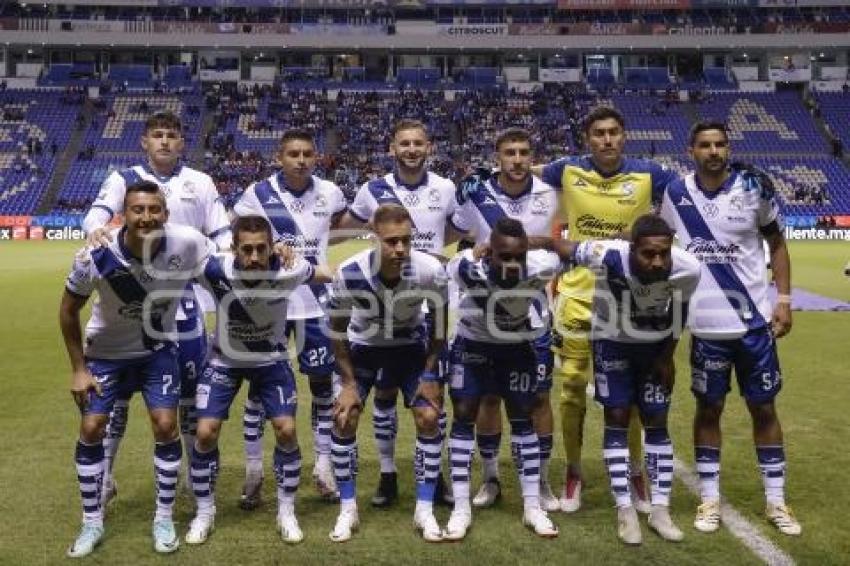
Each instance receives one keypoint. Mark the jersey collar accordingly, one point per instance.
(727, 184)
(125, 251)
(421, 183)
(162, 178)
(284, 186)
(601, 173)
(494, 182)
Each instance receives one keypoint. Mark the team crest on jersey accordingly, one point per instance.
(189, 187)
(628, 188)
(319, 207)
(736, 203)
(174, 262)
(410, 199)
(434, 196)
(539, 206)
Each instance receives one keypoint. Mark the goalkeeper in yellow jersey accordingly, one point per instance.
(601, 194)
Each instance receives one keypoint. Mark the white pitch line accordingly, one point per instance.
(737, 524)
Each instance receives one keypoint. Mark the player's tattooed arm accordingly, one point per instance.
(82, 380)
(347, 404)
(780, 263)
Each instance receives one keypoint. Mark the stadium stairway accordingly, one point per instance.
(196, 156)
(63, 164)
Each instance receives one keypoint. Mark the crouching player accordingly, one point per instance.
(378, 324)
(493, 354)
(251, 288)
(130, 344)
(639, 309)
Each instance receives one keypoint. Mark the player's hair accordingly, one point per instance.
(251, 224)
(166, 120)
(390, 213)
(510, 227)
(408, 124)
(513, 135)
(649, 225)
(147, 187)
(602, 113)
(297, 134)
(704, 126)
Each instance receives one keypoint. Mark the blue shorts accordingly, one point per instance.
(156, 376)
(388, 367)
(313, 344)
(623, 376)
(506, 370)
(545, 361)
(273, 384)
(754, 358)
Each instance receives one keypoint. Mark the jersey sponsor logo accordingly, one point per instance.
(716, 365)
(297, 206)
(598, 228)
(249, 332)
(174, 262)
(710, 210)
(410, 199)
(515, 207)
(712, 251)
(611, 365)
(642, 291)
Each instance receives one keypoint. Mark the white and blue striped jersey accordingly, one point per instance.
(190, 195)
(302, 220)
(626, 310)
(134, 313)
(489, 313)
(431, 204)
(480, 209)
(251, 309)
(388, 316)
(722, 229)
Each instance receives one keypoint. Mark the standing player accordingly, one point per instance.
(514, 193)
(639, 309)
(251, 288)
(192, 201)
(381, 341)
(722, 215)
(493, 354)
(139, 277)
(601, 194)
(430, 200)
(302, 210)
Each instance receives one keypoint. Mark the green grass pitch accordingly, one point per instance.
(39, 502)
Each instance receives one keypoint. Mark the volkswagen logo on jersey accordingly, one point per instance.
(410, 199)
(710, 209)
(297, 206)
(166, 190)
(515, 207)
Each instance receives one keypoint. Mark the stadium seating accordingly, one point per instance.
(30, 115)
(719, 78)
(85, 178)
(835, 110)
(133, 76)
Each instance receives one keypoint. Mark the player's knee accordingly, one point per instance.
(617, 416)
(164, 423)
(321, 386)
(574, 395)
(93, 428)
(284, 431)
(763, 414)
(427, 420)
(708, 414)
(542, 404)
(465, 410)
(208, 430)
(654, 420)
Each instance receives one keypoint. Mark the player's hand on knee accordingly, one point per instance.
(346, 406)
(82, 382)
(286, 253)
(430, 392)
(99, 237)
(781, 320)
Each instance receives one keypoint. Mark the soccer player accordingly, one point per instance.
(192, 201)
(514, 193)
(493, 353)
(430, 200)
(722, 215)
(381, 341)
(601, 194)
(639, 309)
(251, 287)
(302, 210)
(140, 278)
